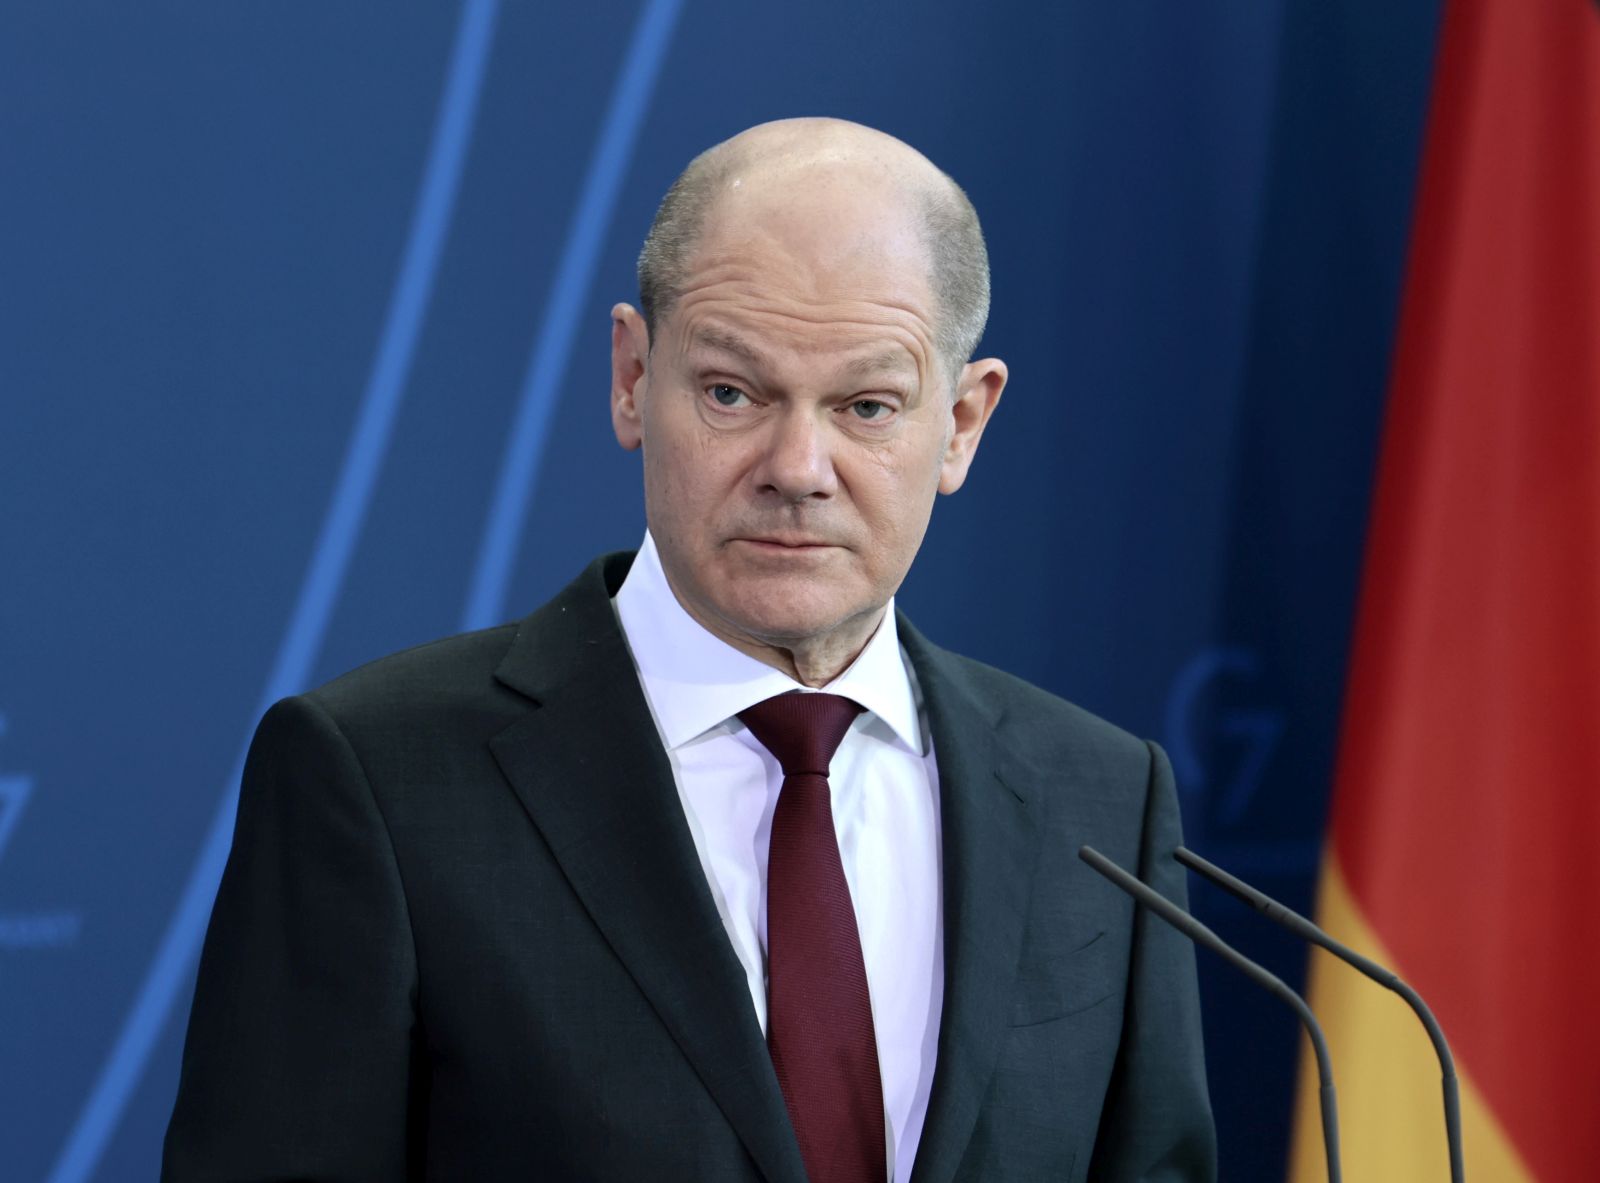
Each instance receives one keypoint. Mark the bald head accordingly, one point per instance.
(826, 162)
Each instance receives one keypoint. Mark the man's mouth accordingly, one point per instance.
(786, 541)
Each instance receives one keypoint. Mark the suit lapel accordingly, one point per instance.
(590, 771)
(990, 843)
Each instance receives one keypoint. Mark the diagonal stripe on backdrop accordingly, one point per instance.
(547, 365)
(124, 1066)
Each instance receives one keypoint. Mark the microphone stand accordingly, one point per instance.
(1305, 929)
(1201, 935)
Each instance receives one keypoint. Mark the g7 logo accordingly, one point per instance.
(1260, 729)
(34, 930)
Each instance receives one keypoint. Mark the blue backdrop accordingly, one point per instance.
(303, 359)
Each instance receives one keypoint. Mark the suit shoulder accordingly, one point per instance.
(425, 680)
(469, 685)
(1026, 705)
(1059, 741)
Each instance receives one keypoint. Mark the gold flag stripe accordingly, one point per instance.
(1391, 1111)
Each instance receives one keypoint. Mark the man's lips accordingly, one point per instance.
(786, 541)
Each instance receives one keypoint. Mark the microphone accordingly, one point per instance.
(1201, 935)
(1309, 931)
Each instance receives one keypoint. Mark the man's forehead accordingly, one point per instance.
(858, 352)
(848, 289)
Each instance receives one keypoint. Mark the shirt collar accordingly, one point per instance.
(695, 680)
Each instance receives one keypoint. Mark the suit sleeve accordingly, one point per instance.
(300, 1059)
(1156, 1126)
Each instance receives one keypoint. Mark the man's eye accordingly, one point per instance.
(728, 396)
(870, 409)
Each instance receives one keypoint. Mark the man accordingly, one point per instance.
(593, 896)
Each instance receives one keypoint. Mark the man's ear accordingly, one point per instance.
(977, 393)
(630, 350)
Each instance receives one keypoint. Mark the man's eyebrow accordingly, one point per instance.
(890, 361)
(725, 342)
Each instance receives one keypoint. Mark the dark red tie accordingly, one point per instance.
(819, 1015)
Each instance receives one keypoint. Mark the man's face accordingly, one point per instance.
(796, 421)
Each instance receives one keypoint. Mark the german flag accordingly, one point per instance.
(1464, 840)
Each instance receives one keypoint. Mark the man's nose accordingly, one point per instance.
(797, 460)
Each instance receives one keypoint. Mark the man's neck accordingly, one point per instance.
(811, 661)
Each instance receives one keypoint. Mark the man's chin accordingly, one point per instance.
(799, 619)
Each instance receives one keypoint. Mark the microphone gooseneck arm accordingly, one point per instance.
(1307, 930)
(1201, 935)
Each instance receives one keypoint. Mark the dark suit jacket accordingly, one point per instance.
(464, 935)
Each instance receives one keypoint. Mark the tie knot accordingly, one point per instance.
(802, 730)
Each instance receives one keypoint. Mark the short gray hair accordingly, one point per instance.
(957, 254)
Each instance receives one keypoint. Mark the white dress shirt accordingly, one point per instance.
(885, 811)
